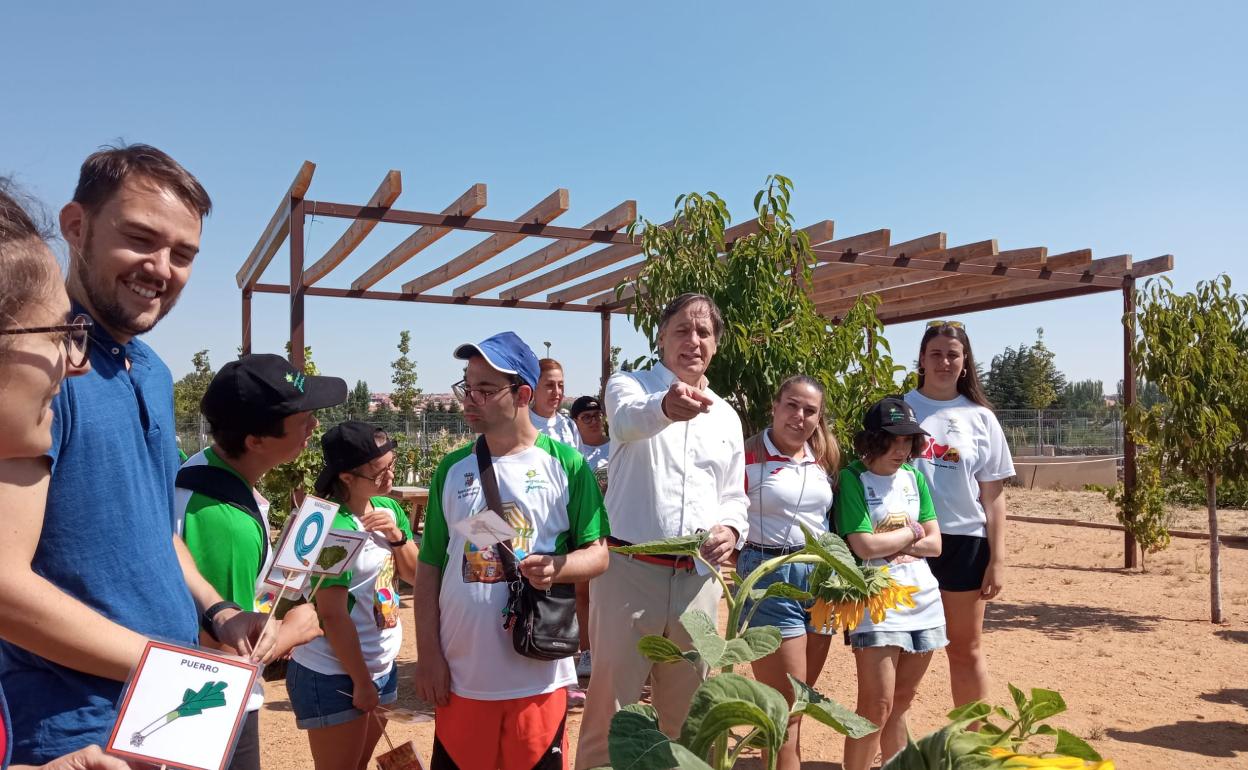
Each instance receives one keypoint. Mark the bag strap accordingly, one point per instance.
(489, 484)
(220, 484)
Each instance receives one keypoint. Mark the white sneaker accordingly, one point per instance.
(583, 665)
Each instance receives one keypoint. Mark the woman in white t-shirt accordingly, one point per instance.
(544, 411)
(966, 463)
(337, 682)
(788, 479)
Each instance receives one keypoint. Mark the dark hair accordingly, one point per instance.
(27, 269)
(106, 170)
(822, 443)
(232, 441)
(873, 443)
(689, 298)
(968, 380)
(338, 490)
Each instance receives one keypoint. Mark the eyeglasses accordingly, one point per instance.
(478, 396)
(589, 416)
(379, 474)
(950, 324)
(75, 336)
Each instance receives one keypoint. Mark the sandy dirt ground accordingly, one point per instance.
(1149, 681)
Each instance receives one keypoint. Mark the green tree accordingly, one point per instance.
(405, 394)
(1025, 377)
(189, 391)
(1192, 346)
(359, 400)
(771, 328)
(1085, 394)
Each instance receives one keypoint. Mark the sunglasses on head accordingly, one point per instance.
(950, 324)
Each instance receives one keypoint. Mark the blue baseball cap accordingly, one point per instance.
(507, 353)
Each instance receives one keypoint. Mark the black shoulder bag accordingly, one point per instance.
(542, 623)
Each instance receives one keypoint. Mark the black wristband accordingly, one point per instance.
(205, 619)
(399, 543)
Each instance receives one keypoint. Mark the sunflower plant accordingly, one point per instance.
(993, 747)
(730, 713)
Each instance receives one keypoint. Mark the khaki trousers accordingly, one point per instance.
(630, 600)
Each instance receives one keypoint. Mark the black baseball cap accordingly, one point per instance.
(262, 387)
(348, 445)
(893, 415)
(585, 404)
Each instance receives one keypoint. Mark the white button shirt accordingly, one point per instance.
(668, 477)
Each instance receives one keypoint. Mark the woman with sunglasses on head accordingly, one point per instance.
(39, 347)
(789, 469)
(966, 464)
(337, 682)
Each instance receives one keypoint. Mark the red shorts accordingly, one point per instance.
(518, 734)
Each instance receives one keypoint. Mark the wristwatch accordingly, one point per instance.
(399, 543)
(205, 620)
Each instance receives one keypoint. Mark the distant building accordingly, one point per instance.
(428, 402)
(379, 401)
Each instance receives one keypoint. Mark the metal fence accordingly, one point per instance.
(1062, 431)
(421, 430)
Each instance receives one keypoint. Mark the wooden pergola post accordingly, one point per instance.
(246, 347)
(1130, 556)
(297, 288)
(606, 354)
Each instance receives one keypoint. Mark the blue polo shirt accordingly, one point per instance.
(107, 541)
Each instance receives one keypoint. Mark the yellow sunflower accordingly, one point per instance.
(1013, 760)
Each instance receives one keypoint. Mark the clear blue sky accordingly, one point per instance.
(1117, 126)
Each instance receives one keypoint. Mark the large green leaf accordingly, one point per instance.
(730, 700)
(1045, 703)
(706, 639)
(836, 554)
(659, 649)
(815, 705)
(755, 643)
(636, 743)
(1072, 745)
(779, 590)
(685, 545)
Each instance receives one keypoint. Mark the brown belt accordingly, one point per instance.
(662, 560)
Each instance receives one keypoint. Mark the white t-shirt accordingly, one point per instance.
(558, 426)
(871, 503)
(784, 494)
(966, 446)
(550, 497)
(372, 601)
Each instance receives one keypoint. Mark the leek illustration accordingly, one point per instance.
(211, 695)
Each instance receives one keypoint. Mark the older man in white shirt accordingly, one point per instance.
(677, 467)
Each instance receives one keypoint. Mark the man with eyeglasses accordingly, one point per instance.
(496, 708)
(90, 568)
(261, 413)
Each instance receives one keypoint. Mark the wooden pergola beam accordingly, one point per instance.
(434, 299)
(384, 197)
(620, 216)
(1110, 269)
(275, 232)
(941, 284)
(472, 201)
(827, 254)
(1030, 257)
(818, 232)
(547, 209)
(979, 252)
(1069, 262)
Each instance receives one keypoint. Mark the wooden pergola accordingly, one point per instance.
(916, 279)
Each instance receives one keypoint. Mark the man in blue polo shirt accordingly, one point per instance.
(94, 573)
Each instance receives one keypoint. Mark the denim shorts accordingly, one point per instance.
(790, 616)
(927, 640)
(324, 700)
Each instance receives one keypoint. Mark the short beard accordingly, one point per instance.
(103, 299)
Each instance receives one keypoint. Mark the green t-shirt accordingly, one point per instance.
(227, 543)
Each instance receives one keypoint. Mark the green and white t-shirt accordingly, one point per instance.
(868, 502)
(372, 599)
(227, 543)
(550, 497)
